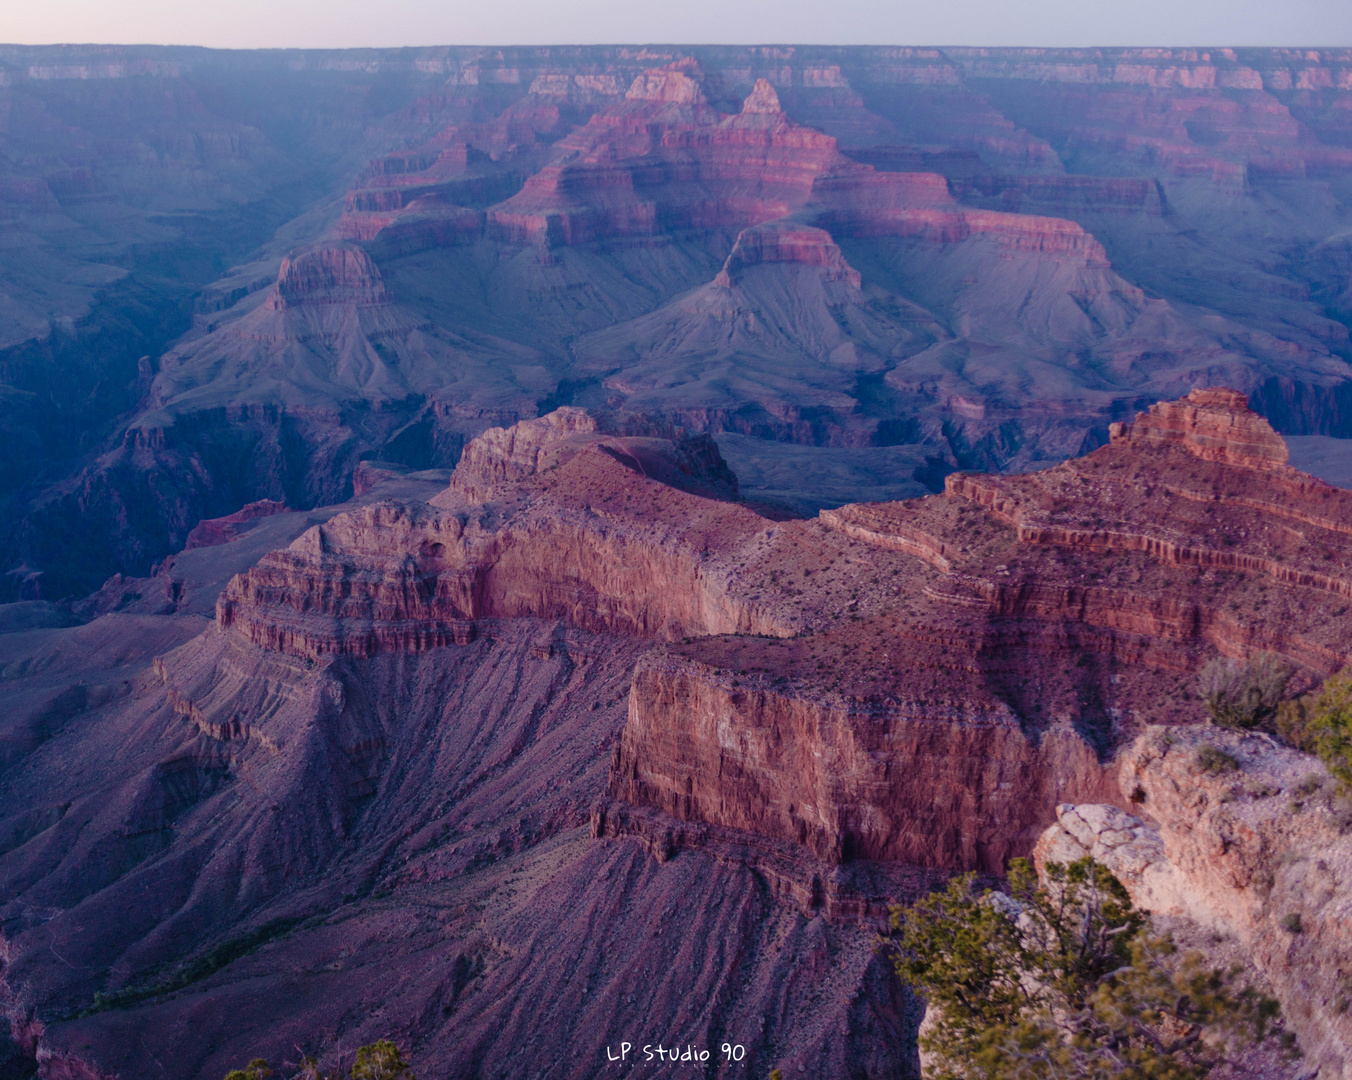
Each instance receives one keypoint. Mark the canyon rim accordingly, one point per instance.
(525, 551)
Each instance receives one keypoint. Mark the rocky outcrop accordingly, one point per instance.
(692, 167)
(670, 85)
(528, 528)
(950, 783)
(1214, 425)
(1199, 484)
(421, 224)
(1247, 839)
(785, 242)
(507, 455)
(328, 276)
(497, 461)
(876, 526)
(222, 530)
(574, 205)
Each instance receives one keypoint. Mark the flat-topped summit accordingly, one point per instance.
(501, 459)
(1214, 424)
(328, 275)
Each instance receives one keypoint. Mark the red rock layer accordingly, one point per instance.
(421, 224)
(950, 782)
(222, 530)
(393, 578)
(1012, 232)
(787, 242)
(916, 681)
(664, 158)
(1214, 425)
(330, 275)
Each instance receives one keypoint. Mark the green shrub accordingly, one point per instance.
(380, 1061)
(1213, 760)
(1292, 723)
(1292, 923)
(1066, 981)
(1244, 695)
(1328, 727)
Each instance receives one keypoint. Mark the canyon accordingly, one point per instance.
(232, 278)
(524, 550)
(578, 721)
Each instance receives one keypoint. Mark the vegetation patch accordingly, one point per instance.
(1321, 723)
(1244, 695)
(381, 1060)
(1215, 761)
(196, 969)
(1067, 980)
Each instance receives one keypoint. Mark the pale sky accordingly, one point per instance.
(348, 23)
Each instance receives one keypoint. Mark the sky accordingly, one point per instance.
(352, 23)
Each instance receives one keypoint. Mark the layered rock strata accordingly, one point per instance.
(1214, 425)
(917, 681)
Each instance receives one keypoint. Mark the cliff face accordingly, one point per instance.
(328, 276)
(1214, 425)
(786, 243)
(586, 677)
(582, 534)
(398, 837)
(986, 256)
(876, 683)
(951, 783)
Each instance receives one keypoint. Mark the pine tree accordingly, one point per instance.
(1066, 981)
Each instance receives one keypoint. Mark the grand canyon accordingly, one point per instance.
(530, 551)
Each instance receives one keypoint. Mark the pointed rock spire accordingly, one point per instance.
(762, 99)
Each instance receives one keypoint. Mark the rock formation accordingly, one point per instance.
(852, 250)
(585, 669)
(793, 726)
(224, 529)
(332, 772)
(1214, 425)
(1252, 850)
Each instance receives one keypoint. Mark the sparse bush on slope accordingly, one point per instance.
(1242, 694)
(1321, 723)
(379, 1061)
(1250, 696)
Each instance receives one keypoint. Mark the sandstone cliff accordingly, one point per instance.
(921, 682)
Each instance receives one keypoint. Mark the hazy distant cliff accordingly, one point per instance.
(877, 264)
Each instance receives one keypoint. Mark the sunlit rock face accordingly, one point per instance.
(1252, 858)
